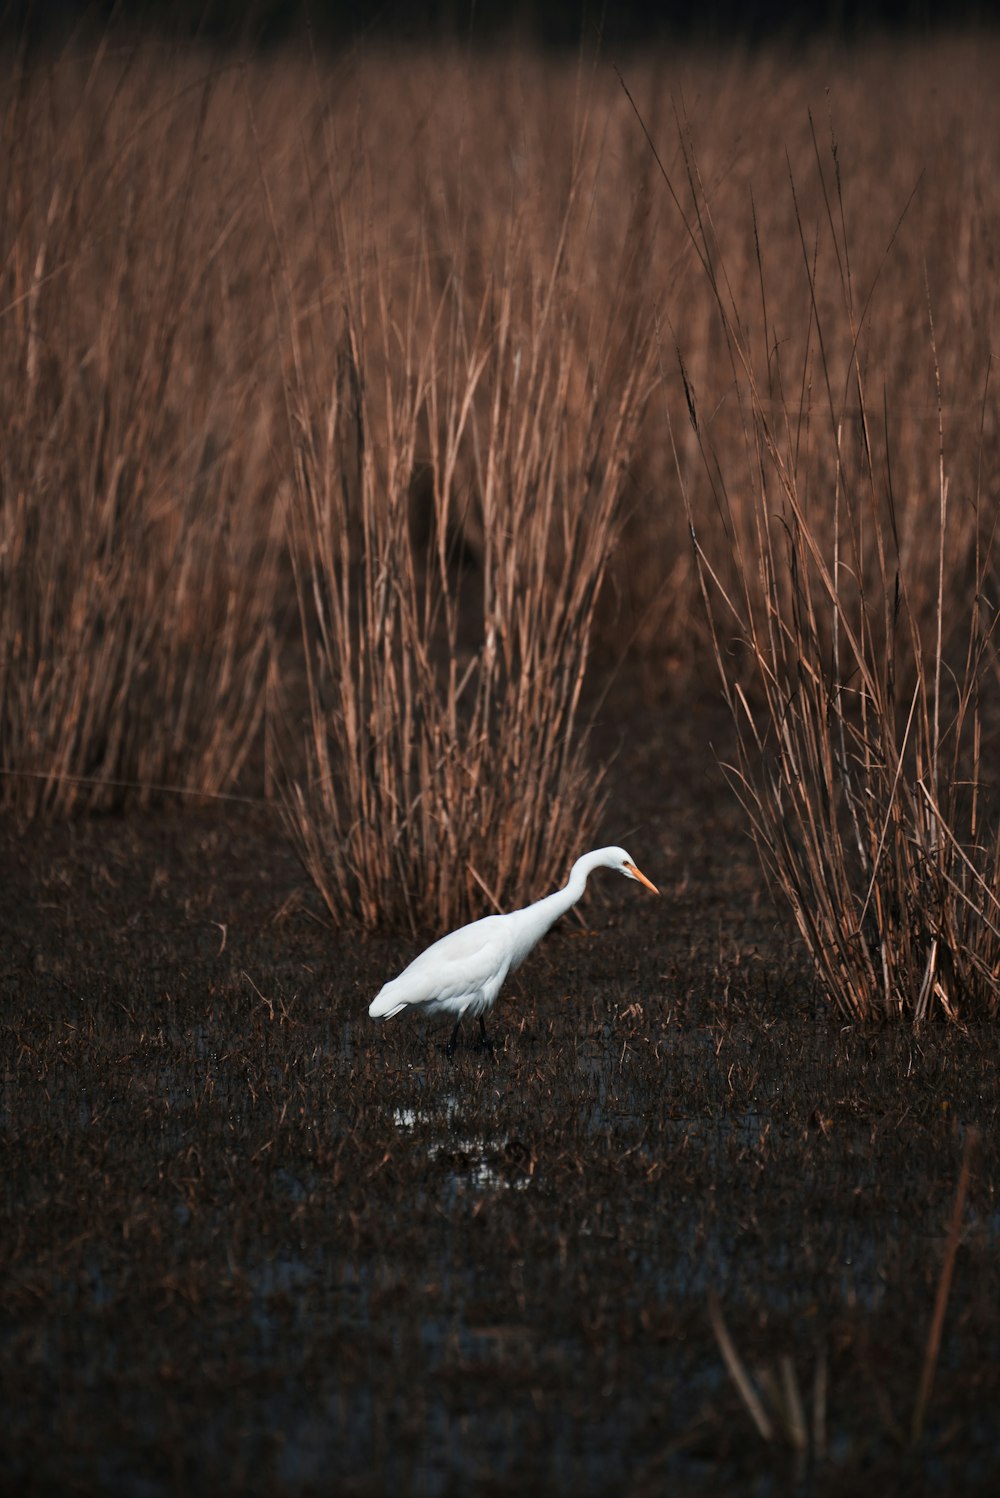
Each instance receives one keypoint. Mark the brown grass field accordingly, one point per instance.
(417, 467)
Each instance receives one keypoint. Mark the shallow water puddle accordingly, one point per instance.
(474, 1158)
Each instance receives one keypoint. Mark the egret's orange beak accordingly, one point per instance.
(638, 874)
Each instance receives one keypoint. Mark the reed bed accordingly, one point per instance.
(138, 545)
(325, 395)
(459, 466)
(854, 630)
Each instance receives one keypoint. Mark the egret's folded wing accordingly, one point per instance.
(465, 962)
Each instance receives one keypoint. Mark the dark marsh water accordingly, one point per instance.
(252, 1242)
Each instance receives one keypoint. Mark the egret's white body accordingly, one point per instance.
(464, 971)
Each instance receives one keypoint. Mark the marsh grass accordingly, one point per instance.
(855, 665)
(460, 457)
(336, 414)
(137, 570)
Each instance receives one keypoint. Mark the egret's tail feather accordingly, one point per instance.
(384, 1006)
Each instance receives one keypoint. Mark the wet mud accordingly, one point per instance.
(253, 1242)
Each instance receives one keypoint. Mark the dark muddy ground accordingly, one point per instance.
(252, 1242)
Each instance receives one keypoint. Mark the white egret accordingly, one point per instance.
(463, 972)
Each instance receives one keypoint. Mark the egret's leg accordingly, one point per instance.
(485, 1043)
(449, 1049)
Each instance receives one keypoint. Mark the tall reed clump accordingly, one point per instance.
(854, 630)
(136, 548)
(461, 435)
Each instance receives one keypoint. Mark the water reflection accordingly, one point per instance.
(472, 1156)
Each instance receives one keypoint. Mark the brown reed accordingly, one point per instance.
(853, 666)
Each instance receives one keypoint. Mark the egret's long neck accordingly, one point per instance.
(545, 912)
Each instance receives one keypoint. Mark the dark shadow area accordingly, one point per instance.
(485, 23)
(254, 1242)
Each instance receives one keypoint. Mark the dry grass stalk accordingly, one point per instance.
(943, 1289)
(774, 1400)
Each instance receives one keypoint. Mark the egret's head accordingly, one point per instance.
(624, 864)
